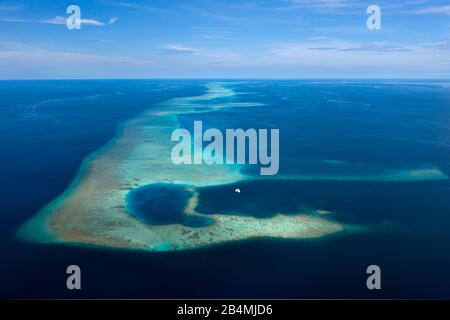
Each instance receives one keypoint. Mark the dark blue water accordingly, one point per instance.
(47, 127)
(163, 203)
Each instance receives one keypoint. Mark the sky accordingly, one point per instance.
(224, 39)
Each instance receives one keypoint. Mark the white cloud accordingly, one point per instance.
(179, 48)
(326, 53)
(14, 20)
(58, 20)
(112, 20)
(10, 8)
(433, 10)
(23, 55)
(136, 6)
(201, 56)
(324, 4)
(55, 20)
(89, 22)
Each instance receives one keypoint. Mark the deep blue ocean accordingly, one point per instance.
(48, 127)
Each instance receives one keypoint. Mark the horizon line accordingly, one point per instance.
(223, 78)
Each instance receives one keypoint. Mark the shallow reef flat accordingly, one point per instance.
(93, 210)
